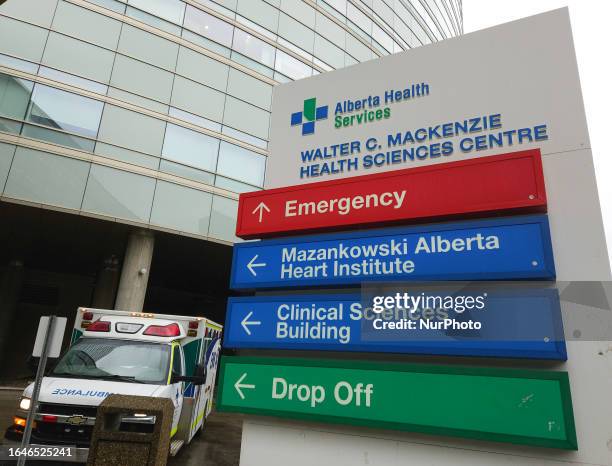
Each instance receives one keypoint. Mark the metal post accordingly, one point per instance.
(27, 433)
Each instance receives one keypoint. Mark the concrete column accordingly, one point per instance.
(135, 271)
(10, 289)
(106, 284)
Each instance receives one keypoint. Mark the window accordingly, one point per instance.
(153, 21)
(244, 137)
(73, 80)
(142, 79)
(177, 363)
(78, 57)
(300, 11)
(296, 33)
(111, 5)
(18, 64)
(246, 117)
(250, 89)
(202, 69)
(181, 208)
(48, 179)
(14, 96)
(148, 47)
(223, 219)
(195, 98)
(99, 358)
(357, 49)
(63, 110)
(252, 64)
(328, 52)
(208, 26)
(190, 147)
(84, 24)
(291, 67)
(56, 137)
(233, 185)
(38, 12)
(170, 10)
(6, 158)
(382, 38)
(253, 48)
(339, 5)
(132, 130)
(31, 41)
(241, 164)
(186, 172)
(196, 120)
(359, 18)
(330, 30)
(118, 194)
(260, 12)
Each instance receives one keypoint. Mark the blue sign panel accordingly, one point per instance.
(492, 249)
(512, 323)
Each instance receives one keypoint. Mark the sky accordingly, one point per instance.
(592, 28)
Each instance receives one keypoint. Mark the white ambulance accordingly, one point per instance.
(127, 353)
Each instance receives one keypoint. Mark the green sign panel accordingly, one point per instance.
(519, 406)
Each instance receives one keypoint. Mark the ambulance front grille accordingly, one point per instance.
(67, 410)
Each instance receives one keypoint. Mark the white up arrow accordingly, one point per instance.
(239, 386)
(261, 207)
(246, 322)
(251, 265)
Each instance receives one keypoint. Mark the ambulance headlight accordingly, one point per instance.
(25, 403)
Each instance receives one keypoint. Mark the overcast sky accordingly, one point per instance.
(592, 27)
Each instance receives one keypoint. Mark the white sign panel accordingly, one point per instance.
(508, 88)
(55, 341)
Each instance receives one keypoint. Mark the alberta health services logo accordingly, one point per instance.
(309, 116)
(353, 112)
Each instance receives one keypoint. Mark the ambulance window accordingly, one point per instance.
(177, 364)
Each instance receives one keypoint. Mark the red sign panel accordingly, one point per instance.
(501, 183)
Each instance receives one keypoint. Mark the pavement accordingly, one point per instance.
(217, 445)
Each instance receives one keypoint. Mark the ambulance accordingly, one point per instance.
(128, 353)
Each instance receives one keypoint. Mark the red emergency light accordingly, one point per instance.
(99, 326)
(170, 330)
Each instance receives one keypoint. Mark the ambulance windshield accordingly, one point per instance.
(118, 360)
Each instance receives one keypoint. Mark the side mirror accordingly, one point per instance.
(194, 379)
(200, 370)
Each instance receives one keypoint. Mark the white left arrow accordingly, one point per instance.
(252, 264)
(246, 322)
(239, 385)
(261, 207)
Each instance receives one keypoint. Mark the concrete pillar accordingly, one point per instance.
(106, 284)
(135, 271)
(10, 289)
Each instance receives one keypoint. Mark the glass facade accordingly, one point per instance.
(157, 112)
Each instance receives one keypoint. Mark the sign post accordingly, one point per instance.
(47, 345)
